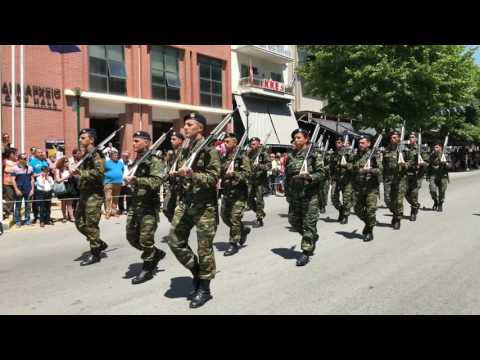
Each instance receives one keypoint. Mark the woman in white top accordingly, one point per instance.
(62, 174)
(44, 185)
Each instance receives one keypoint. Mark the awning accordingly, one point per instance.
(266, 116)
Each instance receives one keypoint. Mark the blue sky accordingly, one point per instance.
(477, 56)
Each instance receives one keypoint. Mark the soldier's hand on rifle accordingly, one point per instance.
(185, 172)
(230, 174)
(130, 179)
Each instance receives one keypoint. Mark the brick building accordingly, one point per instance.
(144, 87)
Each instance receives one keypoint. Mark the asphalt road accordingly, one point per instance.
(428, 267)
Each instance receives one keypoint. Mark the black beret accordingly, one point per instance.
(231, 135)
(394, 132)
(196, 116)
(364, 137)
(413, 133)
(89, 131)
(303, 131)
(438, 142)
(142, 135)
(340, 137)
(178, 134)
(254, 139)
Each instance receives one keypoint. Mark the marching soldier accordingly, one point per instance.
(89, 208)
(437, 176)
(394, 178)
(365, 186)
(170, 202)
(143, 214)
(304, 192)
(197, 206)
(235, 194)
(415, 173)
(258, 179)
(325, 184)
(341, 174)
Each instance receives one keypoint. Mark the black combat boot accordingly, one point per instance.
(368, 235)
(440, 207)
(365, 230)
(259, 222)
(396, 224)
(195, 279)
(303, 259)
(93, 258)
(202, 295)
(103, 245)
(344, 220)
(435, 205)
(323, 210)
(340, 216)
(413, 214)
(232, 250)
(245, 232)
(148, 268)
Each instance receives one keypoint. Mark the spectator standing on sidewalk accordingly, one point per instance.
(107, 152)
(9, 162)
(5, 143)
(125, 191)
(37, 162)
(112, 182)
(23, 183)
(43, 186)
(63, 174)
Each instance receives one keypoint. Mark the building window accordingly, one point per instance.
(276, 77)
(245, 71)
(107, 69)
(165, 73)
(210, 82)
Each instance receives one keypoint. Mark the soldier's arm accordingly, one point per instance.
(245, 170)
(156, 178)
(208, 177)
(96, 174)
(319, 171)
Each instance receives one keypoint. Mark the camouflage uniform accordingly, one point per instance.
(257, 181)
(235, 194)
(304, 196)
(394, 181)
(89, 207)
(143, 214)
(437, 176)
(415, 176)
(325, 184)
(341, 181)
(170, 185)
(365, 187)
(197, 206)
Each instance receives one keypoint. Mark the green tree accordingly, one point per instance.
(383, 85)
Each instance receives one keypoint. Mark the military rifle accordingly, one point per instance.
(257, 158)
(313, 140)
(401, 145)
(419, 146)
(368, 165)
(231, 167)
(444, 150)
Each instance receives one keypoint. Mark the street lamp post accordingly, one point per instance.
(78, 92)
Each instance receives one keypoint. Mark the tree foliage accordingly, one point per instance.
(382, 86)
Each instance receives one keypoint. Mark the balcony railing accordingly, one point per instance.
(266, 84)
(282, 50)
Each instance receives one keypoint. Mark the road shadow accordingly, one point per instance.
(85, 254)
(180, 287)
(165, 239)
(287, 254)
(383, 224)
(428, 209)
(328, 220)
(476, 214)
(350, 235)
(291, 229)
(249, 223)
(221, 246)
(134, 270)
(283, 215)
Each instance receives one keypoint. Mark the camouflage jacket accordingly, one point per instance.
(236, 185)
(391, 168)
(367, 180)
(411, 159)
(149, 176)
(299, 188)
(436, 168)
(259, 172)
(337, 171)
(201, 187)
(171, 182)
(91, 174)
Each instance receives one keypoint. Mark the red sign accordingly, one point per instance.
(273, 85)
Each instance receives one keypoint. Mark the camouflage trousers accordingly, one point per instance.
(232, 213)
(304, 218)
(323, 194)
(344, 187)
(394, 192)
(204, 217)
(414, 184)
(438, 187)
(169, 204)
(87, 217)
(366, 205)
(141, 229)
(255, 199)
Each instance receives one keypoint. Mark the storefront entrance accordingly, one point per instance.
(105, 127)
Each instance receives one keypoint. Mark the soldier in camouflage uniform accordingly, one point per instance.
(394, 179)
(143, 214)
(325, 185)
(258, 179)
(304, 192)
(89, 207)
(171, 186)
(235, 194)
(341, 174)
(437, 176)
(365, 186)
(197, 206)
(415, 174)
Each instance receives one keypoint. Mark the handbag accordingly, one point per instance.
(59, 188)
